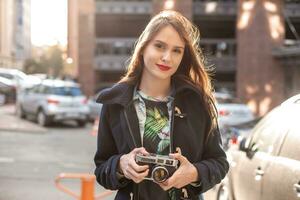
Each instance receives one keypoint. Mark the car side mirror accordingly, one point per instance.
(249, 149)
(243, 147)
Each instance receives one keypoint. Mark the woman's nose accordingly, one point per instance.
(166, 57)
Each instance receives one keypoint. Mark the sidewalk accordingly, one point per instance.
(10, 122)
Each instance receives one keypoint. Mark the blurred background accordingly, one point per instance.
(76, 48)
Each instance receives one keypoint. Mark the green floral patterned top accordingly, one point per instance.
(154, 122)
(140, 106)
(156, 131)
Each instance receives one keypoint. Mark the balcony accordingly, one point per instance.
(214, 8)
(288, 54)
(229, 8)
(111, 62)
(201, 7)
(111, 54)
(221, 53)
(124, 7)
(292, 9)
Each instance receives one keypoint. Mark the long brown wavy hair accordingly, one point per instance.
(191, 68)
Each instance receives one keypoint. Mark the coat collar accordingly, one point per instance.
(122, 93)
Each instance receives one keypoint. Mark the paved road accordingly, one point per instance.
(29, 162)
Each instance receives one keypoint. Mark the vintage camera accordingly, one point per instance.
(160, 167)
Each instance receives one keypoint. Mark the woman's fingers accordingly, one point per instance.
(137, 177)
(140, 150)
(133, 164)
(131, 169)
(179, 157)
(144, 152)
(136, 167)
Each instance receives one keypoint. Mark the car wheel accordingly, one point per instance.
(42, 118)
(81, 123)
(223, 193)
(20, 112)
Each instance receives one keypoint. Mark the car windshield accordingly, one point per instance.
(21, 76)
(67, 91)
(8, 76)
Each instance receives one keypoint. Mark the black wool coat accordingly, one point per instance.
(119, 133)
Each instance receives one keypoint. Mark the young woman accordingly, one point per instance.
(163, 105)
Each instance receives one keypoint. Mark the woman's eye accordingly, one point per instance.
(158, 46)
(177, 51)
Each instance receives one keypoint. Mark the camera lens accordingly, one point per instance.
(159, 174)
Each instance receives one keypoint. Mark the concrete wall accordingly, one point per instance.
(82, 42)
(260, 78)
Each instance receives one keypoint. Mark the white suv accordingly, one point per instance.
(54, 100)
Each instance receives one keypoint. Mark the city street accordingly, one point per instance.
(31, 160)
(229, 68)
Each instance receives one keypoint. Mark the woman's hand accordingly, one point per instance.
(184, 175)
(130, 168)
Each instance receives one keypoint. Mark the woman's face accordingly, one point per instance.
(163, 54)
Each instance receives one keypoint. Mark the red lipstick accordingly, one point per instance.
(163, 67)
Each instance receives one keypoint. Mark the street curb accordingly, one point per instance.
(9, 122)
(23, 130)
(22, 126)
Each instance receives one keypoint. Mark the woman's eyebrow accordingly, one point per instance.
(179, 47)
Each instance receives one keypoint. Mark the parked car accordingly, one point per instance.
(230, 111)
(266, 164)
(54, 100)
(7, 90)
(40, 76)
(13, 74)
(18, 79)
(233, 134)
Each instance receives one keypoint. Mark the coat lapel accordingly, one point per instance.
(130, 126)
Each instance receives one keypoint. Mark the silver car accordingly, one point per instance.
(266, 164)
(54, 100)
(230, 111)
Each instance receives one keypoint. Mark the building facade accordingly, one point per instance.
(81, 42)
(241, 56)
(15, 33)
(262, 28)
(122, 22)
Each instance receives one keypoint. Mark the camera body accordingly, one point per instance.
(161, 167)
